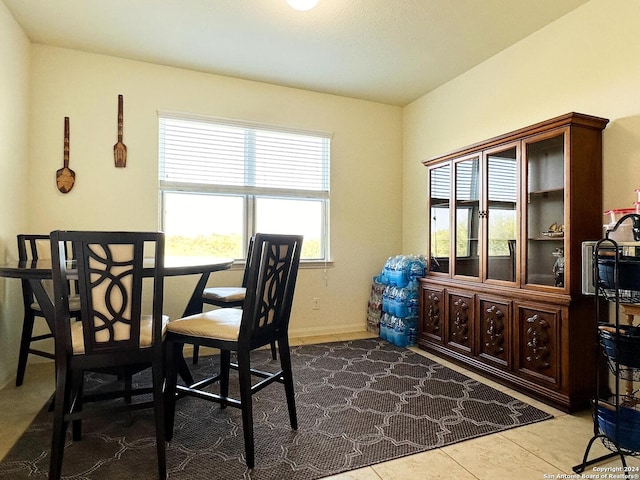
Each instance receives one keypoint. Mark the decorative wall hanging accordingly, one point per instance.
(120, 149)
(65, 177)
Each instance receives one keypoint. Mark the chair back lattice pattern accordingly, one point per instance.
(271, 280)
(110, 270)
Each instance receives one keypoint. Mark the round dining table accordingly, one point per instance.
(35, 271)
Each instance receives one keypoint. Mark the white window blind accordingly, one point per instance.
(221, 181)
(242, 157)
(503, 181)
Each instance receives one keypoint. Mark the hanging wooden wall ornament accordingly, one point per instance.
(120, 149)
(65, 177)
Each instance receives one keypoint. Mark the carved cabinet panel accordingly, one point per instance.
(494, 330)
(460, 321)
(538, 343)
(432, 305)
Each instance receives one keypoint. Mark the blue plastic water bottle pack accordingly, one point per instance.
(399, 321)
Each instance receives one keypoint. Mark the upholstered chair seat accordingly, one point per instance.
(224, 294)
(222, 324)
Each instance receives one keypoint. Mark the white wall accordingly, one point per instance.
(365, 174)
(587, 61)
(14, 171)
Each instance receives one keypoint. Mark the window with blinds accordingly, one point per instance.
(221, 181)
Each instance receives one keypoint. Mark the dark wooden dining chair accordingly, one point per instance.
(263, 319)
(230, 297)
(112, 335)
(34, 247)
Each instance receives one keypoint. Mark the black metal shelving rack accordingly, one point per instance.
(616, 280)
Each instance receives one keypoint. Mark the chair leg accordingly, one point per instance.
(62, 400)
(196, 353)
(127, 379)
(128, 386)
(25, 343)
(181, 364)
(76, 396)
(244, 375)
(287, 374)
(274, 351)
(173, 350)
(225, 365)
(158, 407)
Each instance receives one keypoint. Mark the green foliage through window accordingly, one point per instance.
(226, 246)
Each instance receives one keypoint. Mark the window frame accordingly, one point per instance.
(251, 194)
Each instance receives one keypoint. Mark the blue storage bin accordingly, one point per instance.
(628, 273)
(627, 342)
(627, 432)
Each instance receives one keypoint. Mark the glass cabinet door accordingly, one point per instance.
(440, 216)
(545, 210)
(467, 217)
(501, 213)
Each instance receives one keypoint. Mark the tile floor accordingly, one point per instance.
(545, 450)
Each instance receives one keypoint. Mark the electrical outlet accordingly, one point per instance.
(316, 304)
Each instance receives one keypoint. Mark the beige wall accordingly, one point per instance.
(365, 178)
(14, 171)
(41, 85)
(587, 61)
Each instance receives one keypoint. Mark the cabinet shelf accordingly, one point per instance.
(547, 192)
(546, 239)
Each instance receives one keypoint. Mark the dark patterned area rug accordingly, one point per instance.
(359, 403)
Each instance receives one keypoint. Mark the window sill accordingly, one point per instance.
(316, 264)
(304, 264)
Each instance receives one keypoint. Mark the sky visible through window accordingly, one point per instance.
(195, 214)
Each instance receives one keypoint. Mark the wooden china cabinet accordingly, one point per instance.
(507, 220)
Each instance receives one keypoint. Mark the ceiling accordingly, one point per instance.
(388, 51)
